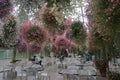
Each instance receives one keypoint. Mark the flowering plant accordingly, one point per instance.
(34, 47)
(24, 29)
(62, 43)
(113, 75)
(67, 23)
(35, 33)
(101, 64)
(5, 7)
(31, 32)
(77, 31)
(9, 32)
(21, 45)
(51, 17)
(103, 26)
(59, 3)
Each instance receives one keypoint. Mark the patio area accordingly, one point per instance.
(54, 69)
(59, 39)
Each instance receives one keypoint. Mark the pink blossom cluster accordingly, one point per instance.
(38, 36)
(62, 43)
(34, 47)
(21, 45)
(67, 23)
(24, 29)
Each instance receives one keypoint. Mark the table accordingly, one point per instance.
(68, 73)
(9, 70)
(83, 64)
(33, 69)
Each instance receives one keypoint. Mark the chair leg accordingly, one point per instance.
(4, 75)
(49, 78)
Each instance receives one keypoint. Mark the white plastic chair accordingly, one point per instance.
(83, 74)
(44, 75)
(5, 71)
(20, 73)
(73, 67)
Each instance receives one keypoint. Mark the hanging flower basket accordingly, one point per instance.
(78, 33)
(31, 33)
(51, 17)
(34, 47)
(62, 43)
(24, 28)
(35, 33)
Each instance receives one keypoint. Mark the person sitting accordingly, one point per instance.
(33, 58)
(36, 60)
(61, 58)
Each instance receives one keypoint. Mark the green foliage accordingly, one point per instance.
(1, 42)
(32, 29)
(35, 33)
(9, 32)
(49, 18)
(105, 21)
(26, 9)
(77, 31)
(101, 64)
(28, 5)
(113, 75)
(59, 3)
(5, 8)
(9, 28)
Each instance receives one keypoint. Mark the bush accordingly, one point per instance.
(113, 75)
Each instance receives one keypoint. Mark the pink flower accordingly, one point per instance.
(62, 43)
(34, 47)
(73, 45)
(21, 46)
(68, 22)
(24, 28)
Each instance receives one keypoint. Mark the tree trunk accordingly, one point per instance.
(14, 54)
